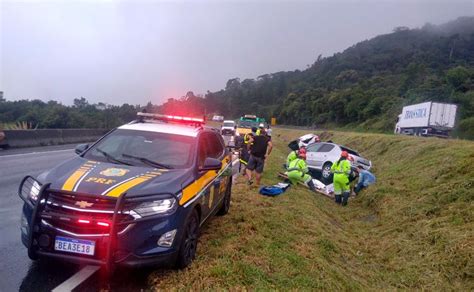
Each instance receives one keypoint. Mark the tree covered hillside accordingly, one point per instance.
(364, 86)
(368, 83)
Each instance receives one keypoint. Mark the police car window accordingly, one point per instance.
(326, 148)
(202, 150)
(127, 146)
(211, 146)
(215, 148)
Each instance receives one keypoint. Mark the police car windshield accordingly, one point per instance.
(142, 148)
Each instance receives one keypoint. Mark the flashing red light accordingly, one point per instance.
(83, 221)
(171, 118)
(105, 224)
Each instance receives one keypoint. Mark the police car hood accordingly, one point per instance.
(107, 179)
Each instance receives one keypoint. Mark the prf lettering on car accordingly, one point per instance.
(99, 180)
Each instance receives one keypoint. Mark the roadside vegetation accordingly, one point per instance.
(364, 87)
(414, 229)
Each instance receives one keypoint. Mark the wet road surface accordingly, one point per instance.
(18, 272)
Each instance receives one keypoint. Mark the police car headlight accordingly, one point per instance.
(157, 207)
(34, 191)
(30, 189)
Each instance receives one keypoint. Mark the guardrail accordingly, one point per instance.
(45, 137)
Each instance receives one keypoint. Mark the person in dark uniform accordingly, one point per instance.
(260, 148)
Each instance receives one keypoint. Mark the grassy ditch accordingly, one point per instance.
(412, 230)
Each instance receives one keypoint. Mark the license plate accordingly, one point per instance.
(74, 245)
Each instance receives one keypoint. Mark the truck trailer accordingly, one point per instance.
(427, 119)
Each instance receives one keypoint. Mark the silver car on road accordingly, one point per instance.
(320, 156)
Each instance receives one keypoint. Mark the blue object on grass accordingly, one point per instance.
(274, 190)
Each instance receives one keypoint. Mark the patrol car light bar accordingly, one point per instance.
(171, 118)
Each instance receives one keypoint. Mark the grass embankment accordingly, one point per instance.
(413, 229)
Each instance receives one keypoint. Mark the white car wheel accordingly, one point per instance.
(327, 170)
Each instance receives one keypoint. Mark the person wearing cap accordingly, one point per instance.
(260, 128)
(341, 170)
(366, 178)
(298, 170)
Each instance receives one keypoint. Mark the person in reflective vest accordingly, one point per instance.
(341, 170)
(298, 170)
(292, 156)
(244, 151)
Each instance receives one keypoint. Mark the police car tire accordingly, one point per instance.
(188, 247)
(226, 202)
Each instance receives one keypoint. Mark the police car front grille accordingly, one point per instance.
(63, 211)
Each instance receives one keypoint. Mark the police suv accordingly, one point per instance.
(137, 196)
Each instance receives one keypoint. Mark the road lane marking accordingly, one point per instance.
(39, 152)
(77, 279)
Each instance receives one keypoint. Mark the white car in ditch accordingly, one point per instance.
(320, 156)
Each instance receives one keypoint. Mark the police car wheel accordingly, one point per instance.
(226, 202)
(187, 251)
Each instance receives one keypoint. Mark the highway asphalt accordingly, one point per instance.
(18, 272)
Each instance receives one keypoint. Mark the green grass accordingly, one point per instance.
(412, 230)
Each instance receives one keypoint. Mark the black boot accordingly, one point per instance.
(345, 198)
(338, 199)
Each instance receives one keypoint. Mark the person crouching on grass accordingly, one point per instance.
(260, 148)
(366, 178)
(298, 170)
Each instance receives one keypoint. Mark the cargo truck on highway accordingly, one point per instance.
(427, 119)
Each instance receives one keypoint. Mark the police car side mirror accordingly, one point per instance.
(81, 148)
(211, 164)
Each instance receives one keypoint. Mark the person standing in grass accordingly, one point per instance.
(341, 170)
(260, 148)
(366, 178)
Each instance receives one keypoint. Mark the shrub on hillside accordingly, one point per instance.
(465, 129)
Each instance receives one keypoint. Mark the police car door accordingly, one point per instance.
(210, 146)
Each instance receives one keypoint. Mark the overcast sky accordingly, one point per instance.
(139, 51)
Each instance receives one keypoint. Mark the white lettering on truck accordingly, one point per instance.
(418, 113)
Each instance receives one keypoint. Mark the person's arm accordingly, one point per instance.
(303, 166)
(269, 149)
(346, 168)
(250, 143)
